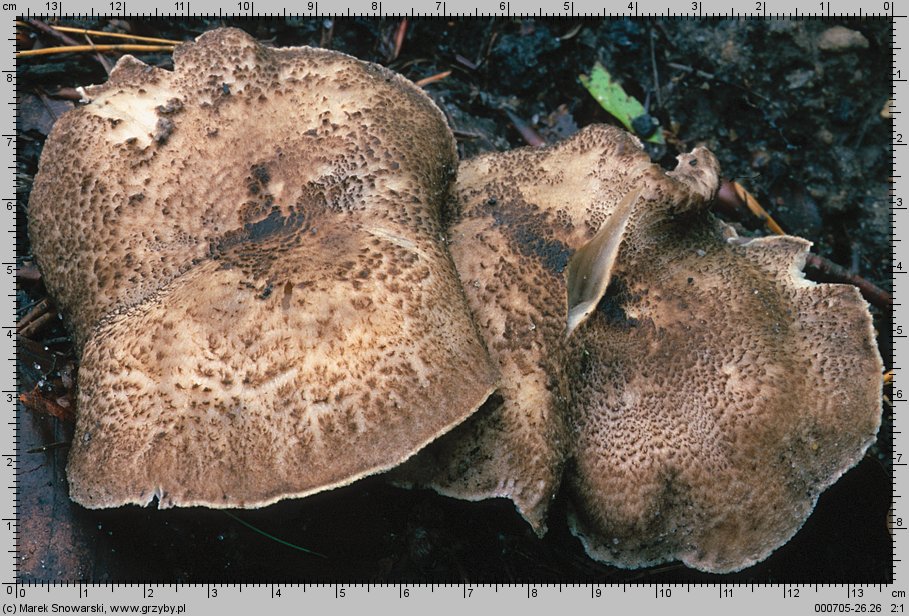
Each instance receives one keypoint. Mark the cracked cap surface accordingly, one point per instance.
(708, 399)
(248, 252)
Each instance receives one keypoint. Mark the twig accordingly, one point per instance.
(102, 34)
(104, 62)
(468, 63)
(36, 401)
(463, 134)
(433, 78)
(58, 340)
(35, 356)
(37, 313)
(49, 447)
(733, 198)
(656, 74)
(46, 29)
(400, 32)
(47, 51)
(46, 104)
(328, 31)
(692, 70)
(24, 309)
(831, 272)
(711, 77)
(489, 48)
(734, 194)
(65, 93)
(28, 271)
(530, 136)
(63, 38)
(41, 315)
(35, 326)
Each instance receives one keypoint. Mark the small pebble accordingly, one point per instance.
(839, 39)
(824, 136)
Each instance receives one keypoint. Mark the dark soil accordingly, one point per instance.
(799, 126)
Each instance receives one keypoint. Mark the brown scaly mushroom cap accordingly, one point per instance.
(248, 249)
(706, 400)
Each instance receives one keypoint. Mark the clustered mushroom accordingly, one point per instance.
(704, 404)
(251, 253)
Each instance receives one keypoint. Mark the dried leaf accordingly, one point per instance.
(60, 407)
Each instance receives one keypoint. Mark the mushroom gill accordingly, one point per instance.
(699, 408)
(248, 250)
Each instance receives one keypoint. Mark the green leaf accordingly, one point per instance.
(611, 97)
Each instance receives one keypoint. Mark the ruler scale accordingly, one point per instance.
(226, 592)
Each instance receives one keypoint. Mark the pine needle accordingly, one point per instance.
(272, 537)
(433, 78)
(102, 34)
(47, 51)
(752, 204)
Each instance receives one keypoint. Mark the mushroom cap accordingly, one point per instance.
(523, 215)
(716, 395)
(707, 400)
(248, 251)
